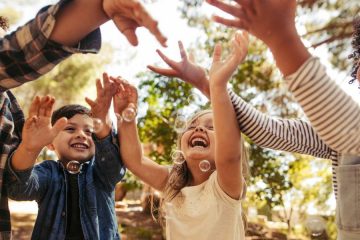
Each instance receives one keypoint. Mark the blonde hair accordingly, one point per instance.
(180, 176)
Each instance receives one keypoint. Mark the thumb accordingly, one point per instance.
(59, 126)
(217, 53)
(90, 102)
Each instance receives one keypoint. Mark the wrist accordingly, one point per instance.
(284, 37)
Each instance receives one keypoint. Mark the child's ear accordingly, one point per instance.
(51, 147)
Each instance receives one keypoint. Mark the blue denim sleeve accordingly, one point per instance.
(109, 167)
(26, 185)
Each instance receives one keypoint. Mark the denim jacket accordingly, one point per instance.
(47, 184)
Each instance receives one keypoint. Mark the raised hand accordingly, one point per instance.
(129, 15)
(268, 20)
(126, 95)
(101, 105)
(185, 69)
(38, 131)
(221, 71)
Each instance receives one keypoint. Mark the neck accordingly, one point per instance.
(199, 176)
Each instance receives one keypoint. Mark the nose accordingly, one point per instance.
(199, 129)
(80, 134)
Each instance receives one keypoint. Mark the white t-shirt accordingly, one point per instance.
(204, 212)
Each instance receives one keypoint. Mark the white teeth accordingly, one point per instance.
(79, 145)
(199, 142)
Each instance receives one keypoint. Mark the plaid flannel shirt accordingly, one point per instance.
(25, 55)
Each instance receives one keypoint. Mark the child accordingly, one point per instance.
(76, 193)
(35, 48)
(334, 130)
(333, 114)
(206, 205)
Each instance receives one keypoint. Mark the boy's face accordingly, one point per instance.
(75, 141)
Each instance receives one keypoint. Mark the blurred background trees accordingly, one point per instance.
(282, 186)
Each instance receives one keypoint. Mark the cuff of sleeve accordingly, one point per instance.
(110, 139)
(305, 73)
(17, 176)
(45, 22)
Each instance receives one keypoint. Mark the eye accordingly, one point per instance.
(190, 127)
(70, 129)
(88, 132)
(210, 127)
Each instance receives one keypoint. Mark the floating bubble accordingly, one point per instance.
(204, 165)
(177, 156)
(73, 167)
(97, 125)
(316, 225)
(129, 113)
(180, 123)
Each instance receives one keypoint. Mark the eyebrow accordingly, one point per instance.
(75, 124)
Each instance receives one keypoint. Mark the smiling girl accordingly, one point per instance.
(205, 204)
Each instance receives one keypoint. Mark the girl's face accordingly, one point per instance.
(197, 142)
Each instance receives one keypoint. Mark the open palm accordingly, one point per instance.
(185, 69)
(221, 70)
(38, 131)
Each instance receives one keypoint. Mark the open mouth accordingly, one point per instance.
(81, 146)
(198, 141)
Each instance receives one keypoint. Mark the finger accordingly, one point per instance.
(143, 17)
(217, 53)
(50, 107)
(30, 121)
(182, 50)
(33, 110)
(232, 9)
(163, 71)
(99, 88)
(168, 61)
(91, 103)
(127, 27)
(59, 126)
(249, 6)
(43, 105)
(106, 81)
(238, 23)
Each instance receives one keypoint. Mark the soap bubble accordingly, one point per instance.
(204, 165)
(177, 156)
(73, 167)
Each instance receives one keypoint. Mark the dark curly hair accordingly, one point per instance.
(356, 46)
(4, 23)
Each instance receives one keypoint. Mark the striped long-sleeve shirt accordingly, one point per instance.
(334, 127)
(25, 55)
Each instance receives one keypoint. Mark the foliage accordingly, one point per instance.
(72, 77)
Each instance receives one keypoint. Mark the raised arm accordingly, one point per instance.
(228, 150)
(293, 135)
(334, 115)
(108, 165)
(130, 147)
(37, 133)
(127, 15)
(56, 33)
